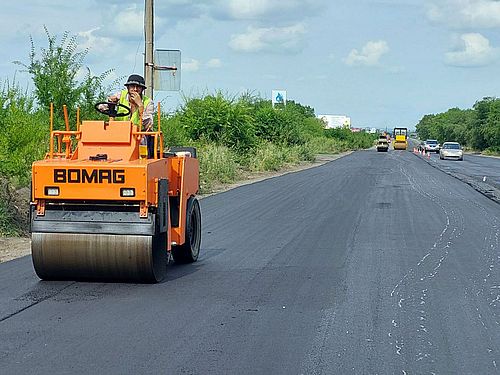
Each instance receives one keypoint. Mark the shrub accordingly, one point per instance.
(492, 150)
(304, 152)
(354, 141)
(325, 145)
(24, 135)
(174, 134)
(217, 119)
(281, 126)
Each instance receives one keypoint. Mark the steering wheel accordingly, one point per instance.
(112, 109)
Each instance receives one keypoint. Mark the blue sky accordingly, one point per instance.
(383, 63)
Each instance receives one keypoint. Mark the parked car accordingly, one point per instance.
(431, 145)
(451, 150)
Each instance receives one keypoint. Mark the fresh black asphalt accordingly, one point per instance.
(375, 263)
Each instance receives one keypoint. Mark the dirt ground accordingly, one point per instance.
(16, 247)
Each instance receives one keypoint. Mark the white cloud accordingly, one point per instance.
(96, 44)
(262, 9)
(190, 65)
(465, 13)
(474, 50)
(271, 39)
(259, 10)
(128, 23)
(214, 63)
(370, 54)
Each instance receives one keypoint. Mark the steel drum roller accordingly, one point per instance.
(70, 256)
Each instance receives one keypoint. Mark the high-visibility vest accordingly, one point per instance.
(134, 116)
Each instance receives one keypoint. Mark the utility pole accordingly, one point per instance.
(149, 47)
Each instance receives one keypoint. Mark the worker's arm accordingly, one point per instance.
(147, 112)
(147, 116)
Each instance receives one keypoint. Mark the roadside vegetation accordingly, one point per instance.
(235, 135)
(477, 128)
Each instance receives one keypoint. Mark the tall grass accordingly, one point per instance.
(268, 156)
(217, 166)
(326, 145)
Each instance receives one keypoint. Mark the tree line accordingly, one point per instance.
(477, 128)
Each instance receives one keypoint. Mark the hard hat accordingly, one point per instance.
(135, 79)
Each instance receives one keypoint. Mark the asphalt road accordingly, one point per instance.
(478, 167)
(481, 172)
(474, 165)
(375, 263)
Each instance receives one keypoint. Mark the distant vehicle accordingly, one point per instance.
(400, 139)
(382, 144)
(451, 150)
(421, 146)
(431, 145)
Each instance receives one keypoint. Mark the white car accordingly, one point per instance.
(451, 150)
(431, 145)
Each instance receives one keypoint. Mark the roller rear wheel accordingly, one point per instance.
(190, 250)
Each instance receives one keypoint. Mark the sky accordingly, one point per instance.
(383, 63)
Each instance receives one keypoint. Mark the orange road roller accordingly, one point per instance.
(102, 210)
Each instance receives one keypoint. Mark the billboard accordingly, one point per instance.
(335, 121)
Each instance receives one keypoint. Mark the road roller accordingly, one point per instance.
(400, 138)
(101, 209)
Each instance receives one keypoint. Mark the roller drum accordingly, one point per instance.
(106, 257)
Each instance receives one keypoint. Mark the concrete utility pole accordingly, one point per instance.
(149, 47)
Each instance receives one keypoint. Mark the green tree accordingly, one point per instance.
(424, 127)
(477, 136)
(54, 72)
(492, 127)
(452, 125)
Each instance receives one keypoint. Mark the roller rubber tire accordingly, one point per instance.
(190, 250)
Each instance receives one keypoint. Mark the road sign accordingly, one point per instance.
(278, 97)
(167, 70)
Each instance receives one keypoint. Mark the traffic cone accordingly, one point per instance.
(428, 155)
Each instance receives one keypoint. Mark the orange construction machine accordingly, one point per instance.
(102, 210)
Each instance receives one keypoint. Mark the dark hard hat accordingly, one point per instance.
(135, 79)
